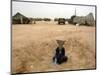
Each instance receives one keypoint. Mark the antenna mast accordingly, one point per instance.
(75, 11)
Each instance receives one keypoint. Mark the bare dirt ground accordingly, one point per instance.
(33, 47)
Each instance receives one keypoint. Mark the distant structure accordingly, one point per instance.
(72, 18)
(90, 19)
(18, 18)
(87, 20)
(84, 20)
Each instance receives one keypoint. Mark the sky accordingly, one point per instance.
(42, 10)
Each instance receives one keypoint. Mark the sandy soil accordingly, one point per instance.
(33, 47)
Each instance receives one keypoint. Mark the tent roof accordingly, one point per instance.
(90, 17)
(18, 15)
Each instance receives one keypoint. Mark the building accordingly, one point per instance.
(20, 19)
(84, 20)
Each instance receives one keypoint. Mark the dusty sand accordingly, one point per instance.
(33, 47)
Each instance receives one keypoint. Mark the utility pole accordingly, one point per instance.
(75, 11)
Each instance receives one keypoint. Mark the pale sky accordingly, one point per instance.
(42, 10)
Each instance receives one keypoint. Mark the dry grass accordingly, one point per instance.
(34, 47)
